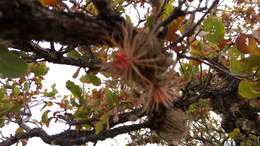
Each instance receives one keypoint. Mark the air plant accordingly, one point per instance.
(164, 92)
(140, 57)
(162, 95)
(144, 65)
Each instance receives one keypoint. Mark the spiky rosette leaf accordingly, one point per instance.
(164, 95)
(164, 92)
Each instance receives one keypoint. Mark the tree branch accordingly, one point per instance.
(177, 12)
(122, 118)
(55, 56)
(28, 20)
(191, 30)
(72, 137)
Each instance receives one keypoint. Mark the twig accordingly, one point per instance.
(221, 68)
(161, 10)
(190, 32)
(177, 12)
(55, 56)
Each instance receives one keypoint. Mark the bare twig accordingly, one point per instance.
(54, 56)
(221, 68)
(190, 32)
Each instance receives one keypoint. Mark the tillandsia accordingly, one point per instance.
(141, 62)
(139, 58)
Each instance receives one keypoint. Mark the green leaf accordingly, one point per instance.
(91, 78)
(2, 123)
(149, 22)
(189, 71)
(238, 67)
(235, 133)
(19, 130)
(197, 49)
(8, 106)
(120, 8)
(52, 93)
(82, 112)
(167, 10)
(235, 53)
(253, 61)
(39, 69)
(249, 89)
(26, 86)
(104, 120)
(10, 65)
(2, 93)
(99, 126)
(73, 102)
(111, 97)
(244, 66)
(16, 91)
(74, 89)
(74, 54)
(86, 126)
(81, 100)
(216, 28)
(44, 118)
(15, 107)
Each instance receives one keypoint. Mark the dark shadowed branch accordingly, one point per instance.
(28, 20)
(54, 56)
(72, 137)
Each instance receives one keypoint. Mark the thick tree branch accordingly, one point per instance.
(28, 20)
(104, 8)
(72, 137)
(222, 100)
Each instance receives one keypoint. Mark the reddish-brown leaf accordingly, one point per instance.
(177, 48)
(171, 36)
(195, 63)
(222, 43)
(241, 43)
(75, 75)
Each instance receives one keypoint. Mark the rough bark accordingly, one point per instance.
(23, 20)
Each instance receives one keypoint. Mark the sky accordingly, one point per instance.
(59, 74)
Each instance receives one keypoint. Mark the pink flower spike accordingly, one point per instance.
(161, 95)
(121, 61)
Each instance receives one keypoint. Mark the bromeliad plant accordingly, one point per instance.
(142, 63)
